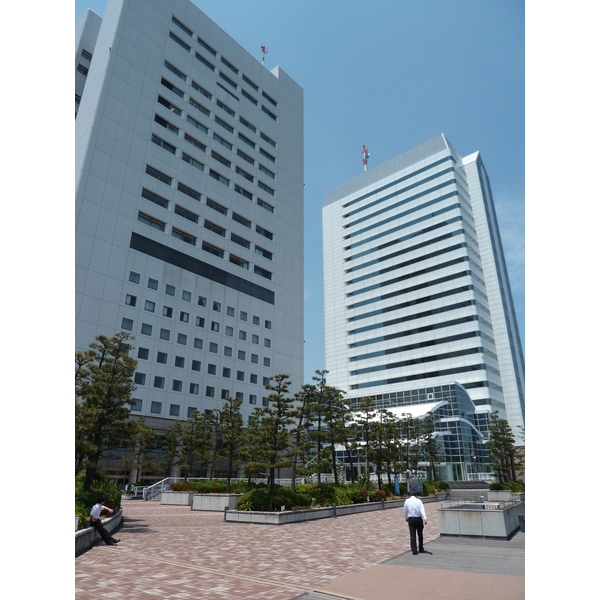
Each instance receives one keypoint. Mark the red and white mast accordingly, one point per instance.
(264, 51)
(366, 156)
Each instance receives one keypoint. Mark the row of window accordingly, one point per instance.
(230, 67)
(177, 384)
(196, 219)
(175, 409)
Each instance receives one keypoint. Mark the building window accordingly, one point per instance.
(164, 145)
(229, 65)
(253, 378)
(268, 112)
(229, 331)
(239, 395)
(266, 362)
(230, 311)
(152, 284)
(168, 126)
(174, 410)
(210, 391)
(255, 320)
(175, 71)
(228, 351)
(265, 402)
(183, 236)
(250, 82)
(170, 290)
(151, 221)
(246, 140)
(168, 105)
(190, 412)
(127, 324)
(161, 358)
(224, 394)
(201, 301)
(143, 353)
(267, 324)
(266, 188)
(223, 124)
(82, 69)
(219, 177)
(182, 339)
(240, 376)
(187, 296)
(241, 355)
(198, 343)
(134, 277)
(262, 272)
(130, 300)
(265, 205)
(240, 241)
(192, 161)
(222, 141)
(194, 142)
(241, 220)
(213, 347)
(197, 124)
(196, 365)
(227, 80)
(255, 339)
(267, 343)
(180, 361)
(171, 88)
(199, 107)
(179, 42)
(146, 329)
(214, 326)
(177, 385)
(242, 335)
(216, 206)
(243, 316)
(159, 382)
(226, 372)
(205, 62)
(207, 47)
(156, 408)
(149, 306)
(140, 378)
(254, 359)
(194, 389)
(184, 317)
(155, 198)
(87, 55)
(136, 404)
(165, 334)
(212, 249)
(167, 311)
(214, 228)
(212, 369)
(158, 175)
(249, 97)
(199, 321)
(240, 190)
(200, 89)
(252, 399)
(262, 252)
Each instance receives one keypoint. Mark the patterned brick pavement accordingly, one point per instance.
(171, 552)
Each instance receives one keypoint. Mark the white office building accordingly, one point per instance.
(417, 299)
(189, 206)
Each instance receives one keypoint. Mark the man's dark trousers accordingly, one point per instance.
(415, 526)
(97, 525)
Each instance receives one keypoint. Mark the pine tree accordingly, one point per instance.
(103, 388)
(171, 444)
(365, 418)
(231, 426)
(142, 440)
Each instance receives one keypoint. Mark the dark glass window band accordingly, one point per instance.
(198, 267)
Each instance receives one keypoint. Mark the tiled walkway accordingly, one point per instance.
(171, 552)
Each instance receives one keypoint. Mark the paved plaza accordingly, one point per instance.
(171, 552)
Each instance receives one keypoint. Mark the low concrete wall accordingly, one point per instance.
(85, 538)
(312, 514)
(214, 502)
(489, 521)
(177, 498)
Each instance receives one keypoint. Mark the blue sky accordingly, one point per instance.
(392, 74)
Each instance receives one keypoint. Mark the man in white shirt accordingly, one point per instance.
(414, 514)
(97, 522)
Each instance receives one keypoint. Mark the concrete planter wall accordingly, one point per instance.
(85, 538)
(177, 498)
(311, 514)
(493, 521)
(500, 495)
(215, 502)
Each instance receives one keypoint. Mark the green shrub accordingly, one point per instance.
(85, 500)
(428, 488)
(380, 495)
(181, 486)
(357, 494)
(258, 499)
(325, 494)
(496, 485)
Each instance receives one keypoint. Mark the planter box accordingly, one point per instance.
(214, 502)
(311, 514)
(500, 495)
(489, 520)
(85, 538)
(177, 498)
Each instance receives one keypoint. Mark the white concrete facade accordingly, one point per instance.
(189, 207)
(407, 303)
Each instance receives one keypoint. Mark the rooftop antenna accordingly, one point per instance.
(366, 156)
(264, 51)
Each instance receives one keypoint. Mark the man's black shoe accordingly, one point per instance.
(116, 541)
(415, 553)
(422, 550)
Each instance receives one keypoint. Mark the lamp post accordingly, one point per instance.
(476, 474)
(408, 418)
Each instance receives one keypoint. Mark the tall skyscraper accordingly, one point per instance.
(417, 297)
(189, 207)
